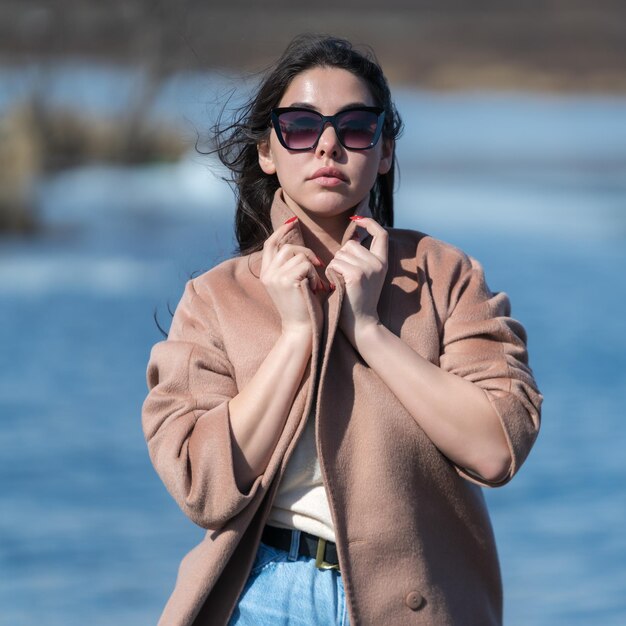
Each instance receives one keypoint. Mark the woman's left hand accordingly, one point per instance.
(363, 272)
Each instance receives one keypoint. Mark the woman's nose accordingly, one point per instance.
(328, 143)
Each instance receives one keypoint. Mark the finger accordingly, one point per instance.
(354, 251)
(315, 282)
(299, 260)
(301, 267)
(289, 250)
(270, 246)
(301, 271)
(379, 236)
(360, 258)
(341, 267)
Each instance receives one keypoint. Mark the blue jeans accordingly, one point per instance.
(284, 589)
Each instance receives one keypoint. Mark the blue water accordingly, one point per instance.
(534, 187)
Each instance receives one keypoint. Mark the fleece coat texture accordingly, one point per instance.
(413, 534)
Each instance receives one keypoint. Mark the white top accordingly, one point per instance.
(301, 500)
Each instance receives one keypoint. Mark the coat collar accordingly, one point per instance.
(280, 213)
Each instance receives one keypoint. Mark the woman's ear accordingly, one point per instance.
(266, 158)
(386, 157)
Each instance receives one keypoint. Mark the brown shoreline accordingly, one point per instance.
(562, 45)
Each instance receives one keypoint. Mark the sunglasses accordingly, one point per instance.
(358, 128)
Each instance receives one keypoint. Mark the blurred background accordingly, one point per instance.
(514, 149)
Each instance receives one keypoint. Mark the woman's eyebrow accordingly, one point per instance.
(354, 105)
(303, 105)
(312, 107)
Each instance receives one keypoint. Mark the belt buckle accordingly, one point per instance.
(319, 557)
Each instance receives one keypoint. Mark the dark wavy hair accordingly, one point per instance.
(236, 141)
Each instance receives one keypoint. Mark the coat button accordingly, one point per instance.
(414, 600)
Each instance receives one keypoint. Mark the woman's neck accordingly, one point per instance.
(322, 235)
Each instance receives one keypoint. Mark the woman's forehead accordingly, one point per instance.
(327, 89)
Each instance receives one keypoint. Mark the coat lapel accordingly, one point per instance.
(279, 214)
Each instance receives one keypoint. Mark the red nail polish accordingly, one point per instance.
(356, 217)
(291, 219)
(332, 287)
(322, 264)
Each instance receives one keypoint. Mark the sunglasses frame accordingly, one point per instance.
(328, 119)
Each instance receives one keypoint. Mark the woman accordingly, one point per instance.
(328, 403)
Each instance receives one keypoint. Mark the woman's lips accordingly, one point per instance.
(329, 177)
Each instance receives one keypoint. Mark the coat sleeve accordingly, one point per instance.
(185, 416)
(483, 344)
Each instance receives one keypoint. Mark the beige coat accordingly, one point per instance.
(413, 534)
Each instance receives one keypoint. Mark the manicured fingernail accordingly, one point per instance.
(320, 262)
(356, 217)
(291, 219)
(332, 286)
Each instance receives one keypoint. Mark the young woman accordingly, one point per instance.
(329, 402)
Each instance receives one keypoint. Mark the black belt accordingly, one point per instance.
(324, 552)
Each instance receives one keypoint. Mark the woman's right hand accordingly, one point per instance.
(283, 271)
(258, 411)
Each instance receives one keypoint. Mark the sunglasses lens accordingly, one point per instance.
(357, 129)
(300, 129)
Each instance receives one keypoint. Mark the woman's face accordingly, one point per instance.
(327, 91)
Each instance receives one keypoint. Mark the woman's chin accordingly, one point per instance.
(328, 204)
